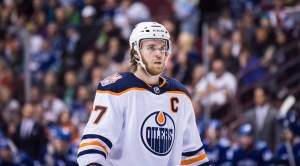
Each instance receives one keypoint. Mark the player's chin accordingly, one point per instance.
(156, 71)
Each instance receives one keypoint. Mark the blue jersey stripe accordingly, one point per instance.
(96, 164)
(192, 153)
(103, 139)
(91, 151)
(205, 164)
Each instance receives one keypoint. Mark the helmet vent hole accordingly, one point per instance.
(147, 30)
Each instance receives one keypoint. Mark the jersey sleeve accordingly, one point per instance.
(193, 151)
(102, 130)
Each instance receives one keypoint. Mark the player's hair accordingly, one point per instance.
(132, 63)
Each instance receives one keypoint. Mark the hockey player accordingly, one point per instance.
(251, 152)
(141, 117)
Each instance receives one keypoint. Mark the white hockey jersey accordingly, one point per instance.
(135, 124)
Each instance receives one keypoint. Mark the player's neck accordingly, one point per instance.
(150, 80)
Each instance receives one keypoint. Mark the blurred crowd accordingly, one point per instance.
(249, 62)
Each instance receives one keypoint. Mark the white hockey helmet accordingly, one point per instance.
(149, 30)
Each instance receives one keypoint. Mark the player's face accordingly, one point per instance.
(245, 141)
(259, 97)
(154, 55)
(288, 134)
(211, 133)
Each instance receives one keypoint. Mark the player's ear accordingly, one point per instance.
(135, 54)
(136, 57)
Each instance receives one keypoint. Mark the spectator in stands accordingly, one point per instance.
(50, 81)
(107, 64)
(262, 41)
(61, 21)
(197, 77)
(6, 155)
(263, 118)
(238, 41)
(70, 85)
(6, 76)
(215, 38)
(53, 105)
(65, 153)
(182, 68)
(187, 13)
(278, 17)
(36, 95)
(97, 74)
(217, 148)
(10, 107)
(84, 72)
(11, 156)
(54, 37)
(29, 135)
(288, 152)
(65, 123)
(251, 70)
(38, 114)
(250, 151)
(82, 96)
(230, 62)
(216, 94)
(72, 37)
(185, 44)
(107, 30)
(43, 61)
(225, 23)
(128, 14)
(87, 31)
(247, 26)
(114, 49)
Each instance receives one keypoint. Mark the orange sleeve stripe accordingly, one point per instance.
(120, 93)
(94, 143)
(193, 160)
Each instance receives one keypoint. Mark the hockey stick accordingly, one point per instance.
(285, 107)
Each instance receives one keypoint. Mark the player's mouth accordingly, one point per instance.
(158, 63)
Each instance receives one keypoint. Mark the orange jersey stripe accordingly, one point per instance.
(94, 143)
(120, 93)
(179, 92)
(140, 89)
(193, 160)
(163, 83)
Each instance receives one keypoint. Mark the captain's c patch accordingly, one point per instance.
(111, 79)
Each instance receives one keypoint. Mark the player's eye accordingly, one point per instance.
(151, 48)
(163, 49)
